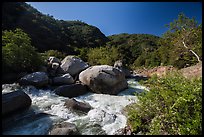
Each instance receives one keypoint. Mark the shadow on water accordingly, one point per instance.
(138, 77)
(27, 122)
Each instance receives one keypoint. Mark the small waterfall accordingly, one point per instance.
(104, 119)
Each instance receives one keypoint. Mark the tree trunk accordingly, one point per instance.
(192, 52)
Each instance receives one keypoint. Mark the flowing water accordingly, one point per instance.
(105, 118)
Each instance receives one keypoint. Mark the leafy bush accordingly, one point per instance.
(103, 56)
(172, 106)
(18, 54)
(55, 53)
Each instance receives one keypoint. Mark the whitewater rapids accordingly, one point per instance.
(105, 118)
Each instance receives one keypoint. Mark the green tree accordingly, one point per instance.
(55, 53)
(18, 54)
(103, 56)
(186, 33)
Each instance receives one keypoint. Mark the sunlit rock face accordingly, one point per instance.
(73, 65)
(104, 79)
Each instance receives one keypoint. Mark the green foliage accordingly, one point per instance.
(134, 50)
(188, 31)
(103, 56)
(82, 53)
(173, 106)
(87, 42)
(18, 54)
(55, 53)
(48, 33)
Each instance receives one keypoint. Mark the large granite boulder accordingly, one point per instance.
(104, 79)
(62, 80)
(15, 101)
(74, 105)
(37, 79)
(72, 90)
(73, 65)
(64, 128)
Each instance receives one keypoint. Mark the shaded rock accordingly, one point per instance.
(72, 90)
(64, 128)
(37, 79)
(78, 106)
(126, 72)
(53, 59)
(43, 69)
(104, 79)
(60, 71)
(73, 65)
(52, 72)
(15, 101)
(55, 66)
(64, 79)
(119, 65)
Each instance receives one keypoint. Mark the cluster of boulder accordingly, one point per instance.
(70, 77)
(73, 77)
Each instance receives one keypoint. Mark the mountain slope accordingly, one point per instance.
(48, 33)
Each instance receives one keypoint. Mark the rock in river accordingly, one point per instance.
(104, 79)
(73, 65)
(72, 90)
(15, 101)
(37, 79)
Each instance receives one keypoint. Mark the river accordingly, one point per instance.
(105, 118)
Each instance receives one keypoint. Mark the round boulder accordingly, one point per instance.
(64, 79)
(104, 79)
(77, 106)
(72, 90)
(64, 128)
(15, 101)
(73, 65)
(37, 79)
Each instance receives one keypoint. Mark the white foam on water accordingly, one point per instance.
(106, 114)
(7, 88)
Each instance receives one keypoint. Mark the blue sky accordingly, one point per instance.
(122, 17)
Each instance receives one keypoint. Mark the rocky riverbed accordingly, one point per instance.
(48, 110)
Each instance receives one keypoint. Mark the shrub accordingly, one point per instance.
(55, 53)
(103, 56)
(172, 106)
(18, 54)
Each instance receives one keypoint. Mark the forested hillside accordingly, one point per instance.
(180, 46)
(48, 33)
(132, 49)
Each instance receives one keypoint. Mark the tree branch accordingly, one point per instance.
(192, 52)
